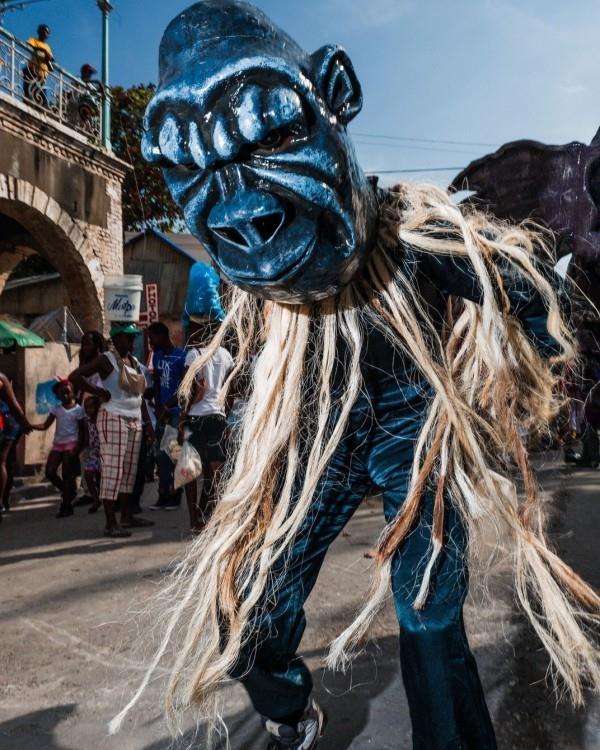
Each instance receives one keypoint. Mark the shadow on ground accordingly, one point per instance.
(18, 733)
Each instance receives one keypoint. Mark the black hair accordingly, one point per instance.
(58, 385)
(43, 26)
(159, 327)
(97, 338)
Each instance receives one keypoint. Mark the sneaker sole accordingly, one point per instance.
(322, 728)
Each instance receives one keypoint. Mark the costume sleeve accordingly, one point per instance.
(456, 276)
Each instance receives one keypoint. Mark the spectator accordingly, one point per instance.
(41, 63)
(12, 423)
(63, 454)
(205, 416)
(88, 102)
(169, 363)
(119, 424)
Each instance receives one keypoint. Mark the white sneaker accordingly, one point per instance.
(304, 736)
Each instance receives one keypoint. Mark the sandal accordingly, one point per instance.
(117, 533)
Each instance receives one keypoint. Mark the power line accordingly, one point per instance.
(425, 140)
(360, 142)
(419, 169)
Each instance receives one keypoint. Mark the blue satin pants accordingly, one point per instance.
(447, 705)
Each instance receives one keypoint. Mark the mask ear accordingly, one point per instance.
(336, 82)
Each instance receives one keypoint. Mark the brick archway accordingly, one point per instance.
(60, 239)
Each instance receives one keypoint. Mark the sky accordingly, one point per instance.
(443, 82)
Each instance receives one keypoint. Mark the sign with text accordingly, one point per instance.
(150, 315)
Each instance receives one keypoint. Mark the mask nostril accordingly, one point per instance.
(267, 226)
(230, 234)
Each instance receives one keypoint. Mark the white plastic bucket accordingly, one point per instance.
(123, 297)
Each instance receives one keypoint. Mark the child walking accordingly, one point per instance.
(63, 454)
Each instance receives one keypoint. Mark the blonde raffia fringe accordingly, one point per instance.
(489, 385)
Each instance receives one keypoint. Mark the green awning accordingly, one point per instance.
(13, 334)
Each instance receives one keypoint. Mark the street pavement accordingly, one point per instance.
(77, 630)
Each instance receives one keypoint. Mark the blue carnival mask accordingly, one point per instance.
(251, 134)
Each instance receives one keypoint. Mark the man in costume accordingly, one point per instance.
(393, 339)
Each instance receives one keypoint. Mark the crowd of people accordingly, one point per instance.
(110, 423)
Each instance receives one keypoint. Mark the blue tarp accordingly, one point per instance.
(45, 398)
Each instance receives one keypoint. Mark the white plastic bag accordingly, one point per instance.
(188, 467)
(169, 435)
(169, 443)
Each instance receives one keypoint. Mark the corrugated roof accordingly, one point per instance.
(183, 242)
(28, 280)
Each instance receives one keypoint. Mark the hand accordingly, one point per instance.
(103, 395)
(26, 426)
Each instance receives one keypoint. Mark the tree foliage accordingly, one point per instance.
(146, 200)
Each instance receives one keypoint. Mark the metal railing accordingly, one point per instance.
(54, 92)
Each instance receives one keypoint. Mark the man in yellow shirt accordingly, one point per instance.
(37, 69)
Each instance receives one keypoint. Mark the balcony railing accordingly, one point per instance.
(58, 94)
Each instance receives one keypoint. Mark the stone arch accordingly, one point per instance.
(60, 239)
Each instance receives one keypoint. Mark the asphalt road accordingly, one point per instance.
(76, 632)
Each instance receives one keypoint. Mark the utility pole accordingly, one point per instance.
(105, 8)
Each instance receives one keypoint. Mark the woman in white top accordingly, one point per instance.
(119, 424)
(205, 417)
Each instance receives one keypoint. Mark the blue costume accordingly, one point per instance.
(251, 134)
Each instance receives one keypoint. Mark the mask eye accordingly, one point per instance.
(271, 141)
(279, 138)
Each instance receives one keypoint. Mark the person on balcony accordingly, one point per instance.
(88, 102)
(41, 63)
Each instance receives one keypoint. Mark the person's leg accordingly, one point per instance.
(130, 466)
(209, 444)
(590, 455)
(140, 479)
(112, 434)
(193, 490)
(93, 486)
(70, 471)
(53, 463)
(5, 448)
(191, 497)
(11, 463)
(165, 469)
(69, 468)
(150, 462)
(277, 680)
(445, 696)
(174, 495)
